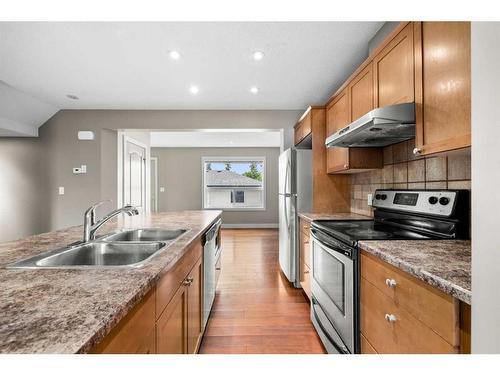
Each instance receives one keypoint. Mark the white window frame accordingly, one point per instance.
(222, 159)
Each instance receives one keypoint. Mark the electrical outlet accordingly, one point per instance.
(370, 199)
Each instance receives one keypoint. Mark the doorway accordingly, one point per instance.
(134, 187)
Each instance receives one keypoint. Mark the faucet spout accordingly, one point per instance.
(90, 226)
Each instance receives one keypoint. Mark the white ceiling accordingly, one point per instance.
(126, 65)
(216, 138)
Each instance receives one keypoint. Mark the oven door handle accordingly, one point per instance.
(343, 349)
(331, 243)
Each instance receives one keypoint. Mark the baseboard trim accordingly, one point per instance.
(250, 226)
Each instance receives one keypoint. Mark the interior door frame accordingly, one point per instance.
(154, 187)
(122, 139)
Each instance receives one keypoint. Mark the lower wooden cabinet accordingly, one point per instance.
(305, 257)
(195, 308)
(135, 334)
(401, 314)
(169, 318)
(171, 328)
(179, 328)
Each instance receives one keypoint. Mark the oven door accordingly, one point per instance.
(332, 286)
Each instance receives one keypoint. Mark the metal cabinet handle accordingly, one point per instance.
(346, 166)
(391, 283)
(217, 268)
(188, 281)
(391, 318)
(306, 272)
(417, 151)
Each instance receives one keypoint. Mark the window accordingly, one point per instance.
(236, 183)
(238, 196)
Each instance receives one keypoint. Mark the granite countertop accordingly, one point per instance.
(71, 310)
(444, 264)
(339, 216)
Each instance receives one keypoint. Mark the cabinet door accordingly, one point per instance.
(394, 70)
(361, 93)
(337, 116)
(446, 87)
(195, 307)
(135, 333)
(171, 327)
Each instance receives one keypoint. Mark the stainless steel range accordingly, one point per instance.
(399, 215)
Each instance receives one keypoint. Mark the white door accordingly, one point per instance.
(134, 175)
(154, 184)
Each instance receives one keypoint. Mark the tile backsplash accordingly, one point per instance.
(403, 170)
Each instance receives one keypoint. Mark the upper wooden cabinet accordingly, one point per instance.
(394, 70)
(303, 128)
(350, 104)
(361, 93)
(443, 70)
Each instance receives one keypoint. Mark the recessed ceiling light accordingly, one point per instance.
(174, 55)
(72, 97)
(194, 90)
(254, 89)
(258, 55)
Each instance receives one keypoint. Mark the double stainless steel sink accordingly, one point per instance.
(129, 248)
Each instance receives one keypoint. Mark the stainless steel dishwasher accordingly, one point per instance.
(211, 267)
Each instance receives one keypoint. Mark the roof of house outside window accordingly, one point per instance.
(230, 179)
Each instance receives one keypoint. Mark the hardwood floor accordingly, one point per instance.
(256, 310)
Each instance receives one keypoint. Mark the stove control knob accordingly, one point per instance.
(433, 200)
(444, 201)
(378, 196)
(384, 197)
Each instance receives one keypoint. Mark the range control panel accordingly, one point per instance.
(430, 202)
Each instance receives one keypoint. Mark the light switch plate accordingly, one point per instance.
(61, 190)
(162, 189)
(80, 170)
(370, 199)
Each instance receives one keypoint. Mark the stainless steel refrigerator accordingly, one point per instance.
(295, 195)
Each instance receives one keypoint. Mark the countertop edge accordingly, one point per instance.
(438, 282)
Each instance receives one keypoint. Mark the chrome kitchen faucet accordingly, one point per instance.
(90, 226)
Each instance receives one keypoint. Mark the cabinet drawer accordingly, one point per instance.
(405, 335)
(434, 308)
(170, 282)
(305, 278)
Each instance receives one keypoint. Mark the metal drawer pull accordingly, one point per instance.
(417, 151)
(188, 281)
(391, 283)
(391, 318)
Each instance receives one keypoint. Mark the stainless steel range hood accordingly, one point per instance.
(379, 127)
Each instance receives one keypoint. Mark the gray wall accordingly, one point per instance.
(486, 180)
(179, 171)
(63, 151)
(23, 188)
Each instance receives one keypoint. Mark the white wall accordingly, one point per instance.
(485, 188)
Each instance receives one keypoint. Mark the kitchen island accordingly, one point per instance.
(72, 310)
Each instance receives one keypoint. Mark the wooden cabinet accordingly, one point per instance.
(305, 257)
(171, 328)
(195, 308)
(355, 100)
(302, 129)
(401, 314)
(135, 334)
(394, 70)
(179, 328)
(444, 76)
(169, 319)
